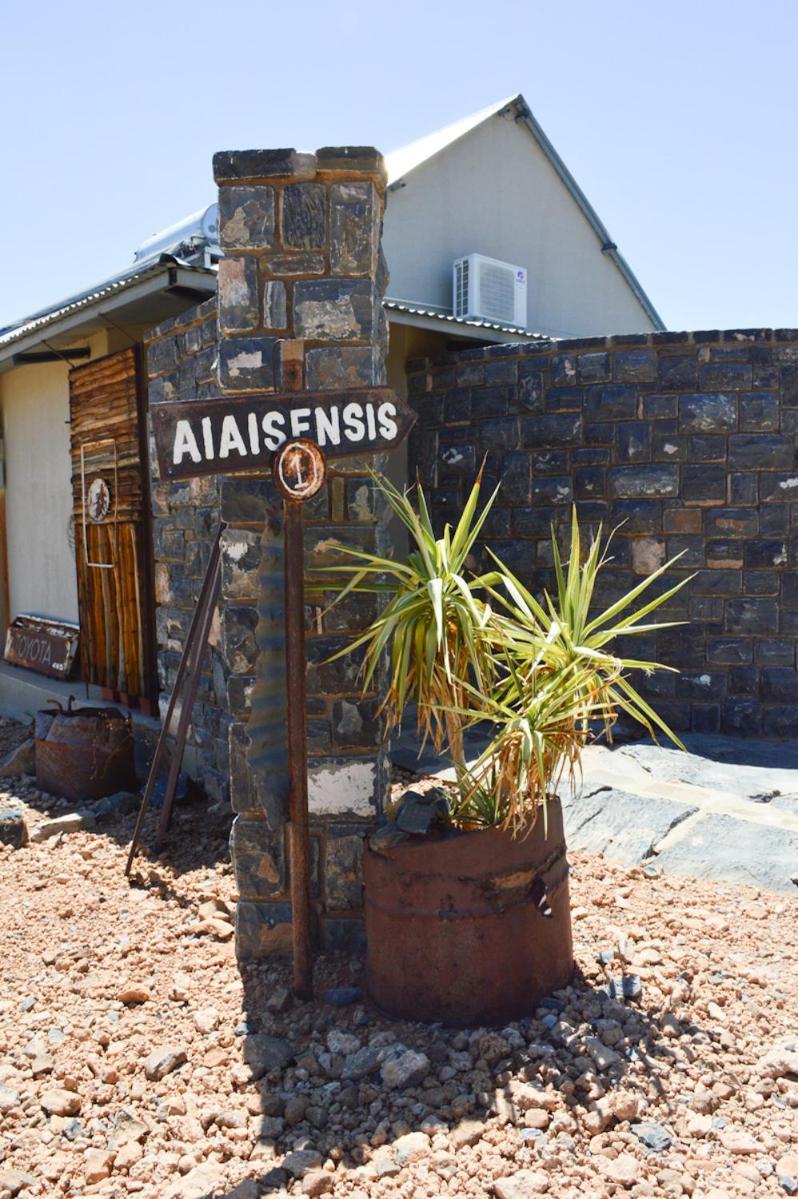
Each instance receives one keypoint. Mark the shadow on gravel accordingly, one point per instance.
(326, 1077)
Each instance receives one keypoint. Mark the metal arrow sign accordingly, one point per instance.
(237, 433)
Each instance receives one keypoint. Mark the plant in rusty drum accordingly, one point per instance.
(543, 675)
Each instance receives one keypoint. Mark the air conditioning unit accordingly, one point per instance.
(485, 289)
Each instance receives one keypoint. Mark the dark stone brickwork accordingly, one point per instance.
(299, 302)
(688, 443)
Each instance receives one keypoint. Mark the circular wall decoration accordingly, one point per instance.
(98, 501)
(299, 469)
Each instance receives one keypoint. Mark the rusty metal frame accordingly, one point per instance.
(115, 521)
(312, 458)
(184, 690)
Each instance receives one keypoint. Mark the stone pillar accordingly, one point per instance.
(300, 307)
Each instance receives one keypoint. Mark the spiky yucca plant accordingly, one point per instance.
(472, 648)
(562, 673)
(433, 624)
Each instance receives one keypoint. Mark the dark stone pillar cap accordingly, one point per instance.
(236, 166)
(352, 158)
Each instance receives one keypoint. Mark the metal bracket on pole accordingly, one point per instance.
(184, 692)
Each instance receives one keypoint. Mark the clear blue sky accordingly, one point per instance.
(677, 119)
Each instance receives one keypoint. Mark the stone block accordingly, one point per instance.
(343, 934)
(339, 367)
(249, 363)
(618, 401)
(530, 391)
(556, 489)
(707, 413)
(550, 430)
(724, 553)
(354, 228)
(677, 373)
(761, 582)
(717, 582)
(334, 309)
(703, 482)
(563, 370)
(638, 515)
(706, 447)
(13, 827)
(634, 441)
(779, 486)
(499, 434)
(593, 368)
(240, 648)
(744, 680)
(643, 481)
(246, 217)
(759, 413)
(766, 555)
(239, 309)
(776, 651)
(275, 305)
(262, 929)
(780, 683)
(516, 479)
(648, 554)
(343, 865)
(241, 563)
(304, 216)
(691, 548)
(782, 721)
(761, 451)
(656, 407)
(548, 462)
(668, 447)
(233, 165)
(635, 366)
(741, 717)
(774, 520)
(751, 615)
(731, 522)
(729, 651)
(352, 158)
(531, 522)
(258, 859)
(589, 481)
(742, 488)
(246, 501)
(619, 824)
(682, 520)
(292, 263)
(725, 376)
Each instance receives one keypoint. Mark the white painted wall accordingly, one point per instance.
(494, 192)
(41, 563)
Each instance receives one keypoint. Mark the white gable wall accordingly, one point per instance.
(495, 192)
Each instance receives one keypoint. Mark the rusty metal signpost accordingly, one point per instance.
(295, 433)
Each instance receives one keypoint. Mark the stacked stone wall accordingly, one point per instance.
(684, 441)
(300, 309)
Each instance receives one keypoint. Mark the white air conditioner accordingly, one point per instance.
(485, 289)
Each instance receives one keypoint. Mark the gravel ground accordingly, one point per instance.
(135, 1058)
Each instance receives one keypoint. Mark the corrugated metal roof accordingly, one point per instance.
(86, 299)
(449, 319)
(74, 303)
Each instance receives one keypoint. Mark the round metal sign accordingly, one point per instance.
(299, 469)
(98, 500)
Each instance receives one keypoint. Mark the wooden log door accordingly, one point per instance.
(113, 547)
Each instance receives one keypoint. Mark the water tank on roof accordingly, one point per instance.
(194, 237)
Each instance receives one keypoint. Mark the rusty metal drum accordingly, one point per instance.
(84, 753)
(472, 928)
